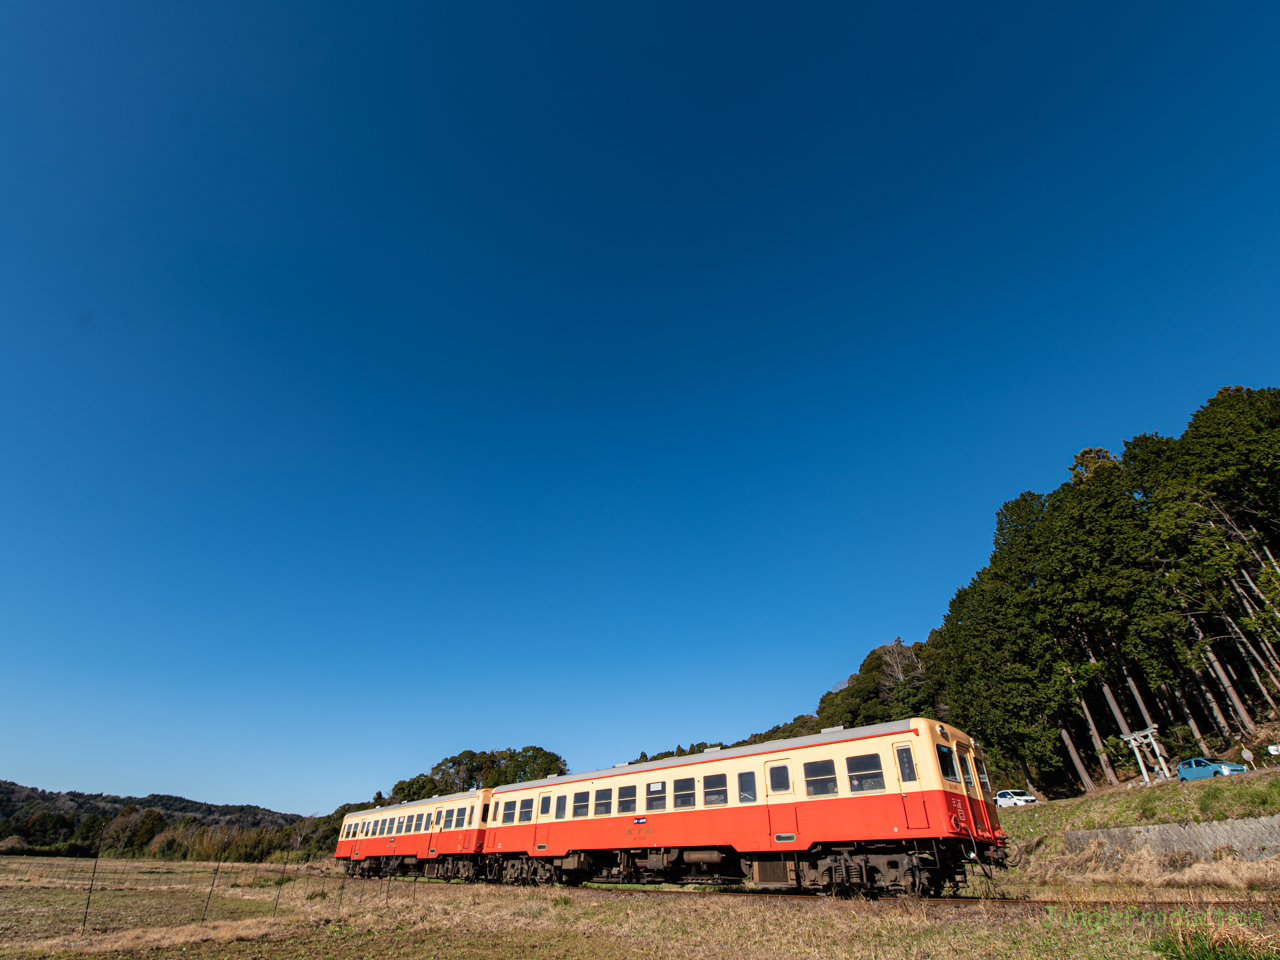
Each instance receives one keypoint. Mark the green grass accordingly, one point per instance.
(1223, 798)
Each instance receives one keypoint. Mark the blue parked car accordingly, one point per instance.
(1200, 769)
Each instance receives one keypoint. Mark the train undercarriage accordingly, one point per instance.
(929, 868)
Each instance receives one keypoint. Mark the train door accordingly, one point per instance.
(781, 796)
(909, 786)
(542, 821)
(972, 794)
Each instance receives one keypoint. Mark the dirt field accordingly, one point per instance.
(152, 910)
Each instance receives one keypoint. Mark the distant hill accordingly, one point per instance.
(40, 822)
(22, 803)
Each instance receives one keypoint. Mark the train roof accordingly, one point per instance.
(447, 798)
(769, 746)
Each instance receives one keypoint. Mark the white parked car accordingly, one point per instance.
(1014, 798)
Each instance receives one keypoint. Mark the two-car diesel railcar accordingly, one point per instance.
(896, 808)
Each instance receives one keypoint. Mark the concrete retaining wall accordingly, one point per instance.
(1254, 839)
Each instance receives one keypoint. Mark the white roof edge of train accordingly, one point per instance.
(379, 811)
(768, 746)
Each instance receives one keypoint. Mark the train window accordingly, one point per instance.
(604, 802)
(561, 803)
(982, 773)
(865, 773)
(581, 803)
(655, 796)
(682, 794)
(484, 813)
(780, 778)
(820, 778)
(439, 814)
(626, 799)
(400, 825)
(545, 806)
(471, 815)
(715, 790)
(509, 812)
(906, 765)
(746, 788)
(526, 810)
(383, 827)
(462, 819)
(417, 824)
(448, 819)
(964, 768)
(946, 763)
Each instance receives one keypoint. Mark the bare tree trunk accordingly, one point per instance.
(1275, 713)
(1237, 704)
(1111, 700)
(1098, 746)
(1245, 720)
(1215, 711)
(1253, 612)
(1137, 697)
(1075, 758)
(1031, 787)
(1191, 721)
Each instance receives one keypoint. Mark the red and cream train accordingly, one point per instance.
(897, 807)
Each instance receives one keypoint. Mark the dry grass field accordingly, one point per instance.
(150, 909)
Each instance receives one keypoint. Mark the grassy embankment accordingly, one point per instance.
(1043, 868)
(150, 912)
(1198, 801)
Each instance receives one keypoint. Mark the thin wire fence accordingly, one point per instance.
(174, 893)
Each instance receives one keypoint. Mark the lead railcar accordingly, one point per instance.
(896, 808)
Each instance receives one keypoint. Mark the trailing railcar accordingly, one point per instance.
(897, 808)
(440, 837)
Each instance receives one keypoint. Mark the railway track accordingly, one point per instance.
(1078, 904)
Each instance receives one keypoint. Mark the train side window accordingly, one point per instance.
(982, 773)
(417, 824)
(545, 806)
(715, 789)
(780, 778)
(509, 812)
(865, 772)
(484, 813)
(448, 819)
(946, 763)
(964, 768)
(462, 818)
(561, 803)
(906, 765)
(746, 788)
(582, 803)
(820, 778)
(526, 810)
(682, 793)
(382, 827)
(604, 802)
(626, 799)
(439, 814)
(364, 829)
(655, 796)
(400, 825)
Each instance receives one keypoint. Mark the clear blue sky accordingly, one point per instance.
(382, 382)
